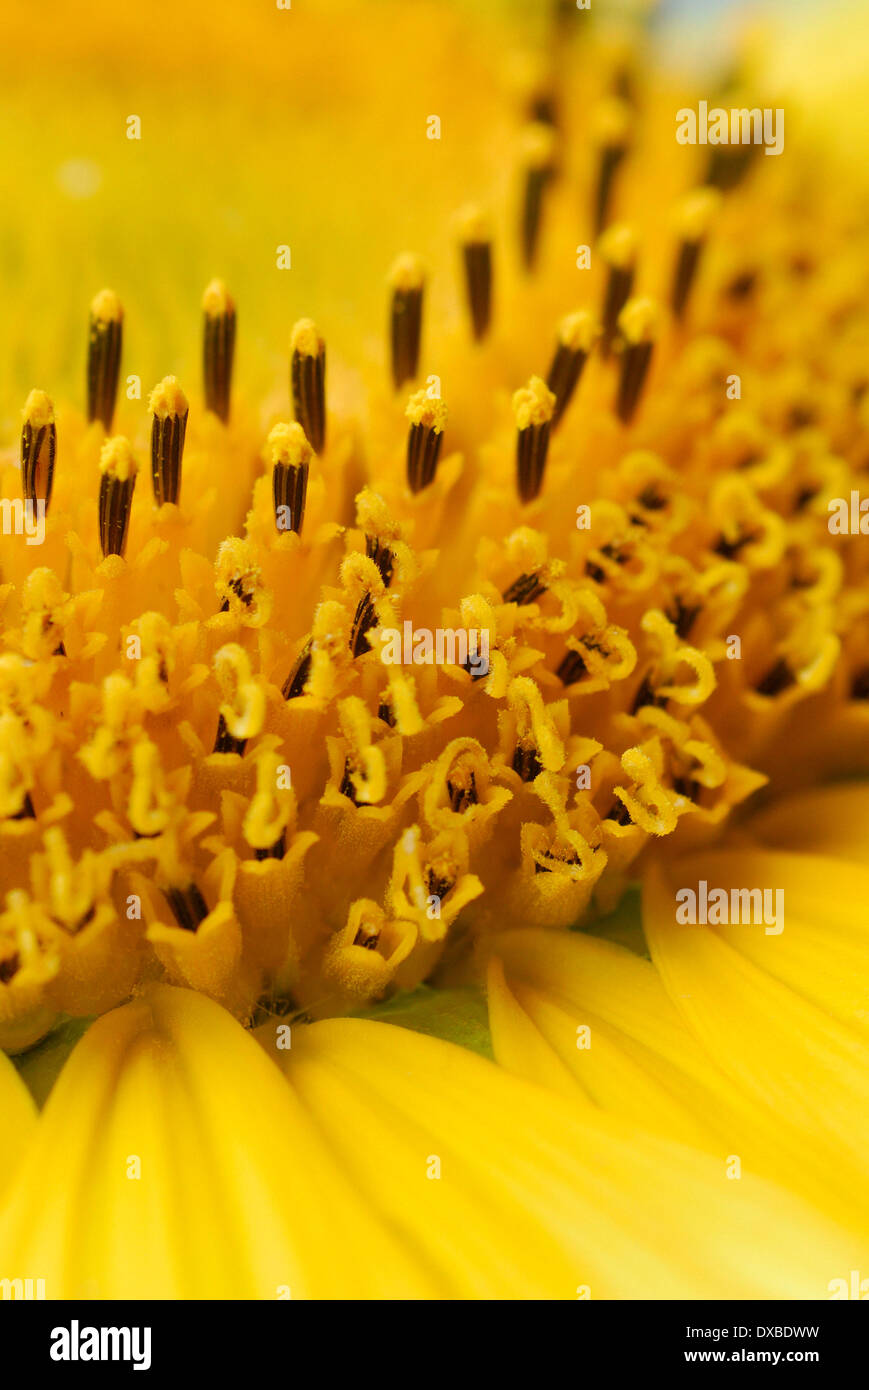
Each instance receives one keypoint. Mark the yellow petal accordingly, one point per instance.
(793, 1058)
(18, 1118)
(830, 820)
(642, 1062)
(505, 1192)
(237, 1196)
(645, 1061)
(518, 1044)
(822, 949)
(539, 1035)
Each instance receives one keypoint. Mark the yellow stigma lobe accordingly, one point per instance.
(116, 459)
(611, 127)
(169, 408)
(611, 123)
(290, 454)
(695, 213)
(218, 349)
(474, 225)
(308, 381)
(537, 148)
(618, 246)
(533, 404)
(243, 709)
(638, 328)
(269, 813)
(534, 407)
(216, 301)
(407, 273)
(579, 332)
(167, 399)
(424, 438)
(407, 279)
(105, 341)
(38, 447)
(38, 410)
(305, 340)
(693, 218)
(538, 145)
(106, 307)
(639, 321)
(117, 483)
(422, 410)
(288, 445)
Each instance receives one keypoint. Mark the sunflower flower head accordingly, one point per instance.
(323, 703)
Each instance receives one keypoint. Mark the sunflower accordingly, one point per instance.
(358, 747)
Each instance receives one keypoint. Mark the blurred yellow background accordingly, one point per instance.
(259, 127)
(263, 127)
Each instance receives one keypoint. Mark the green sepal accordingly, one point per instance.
(624, 925)
(456, 1015)
(40, 1066)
